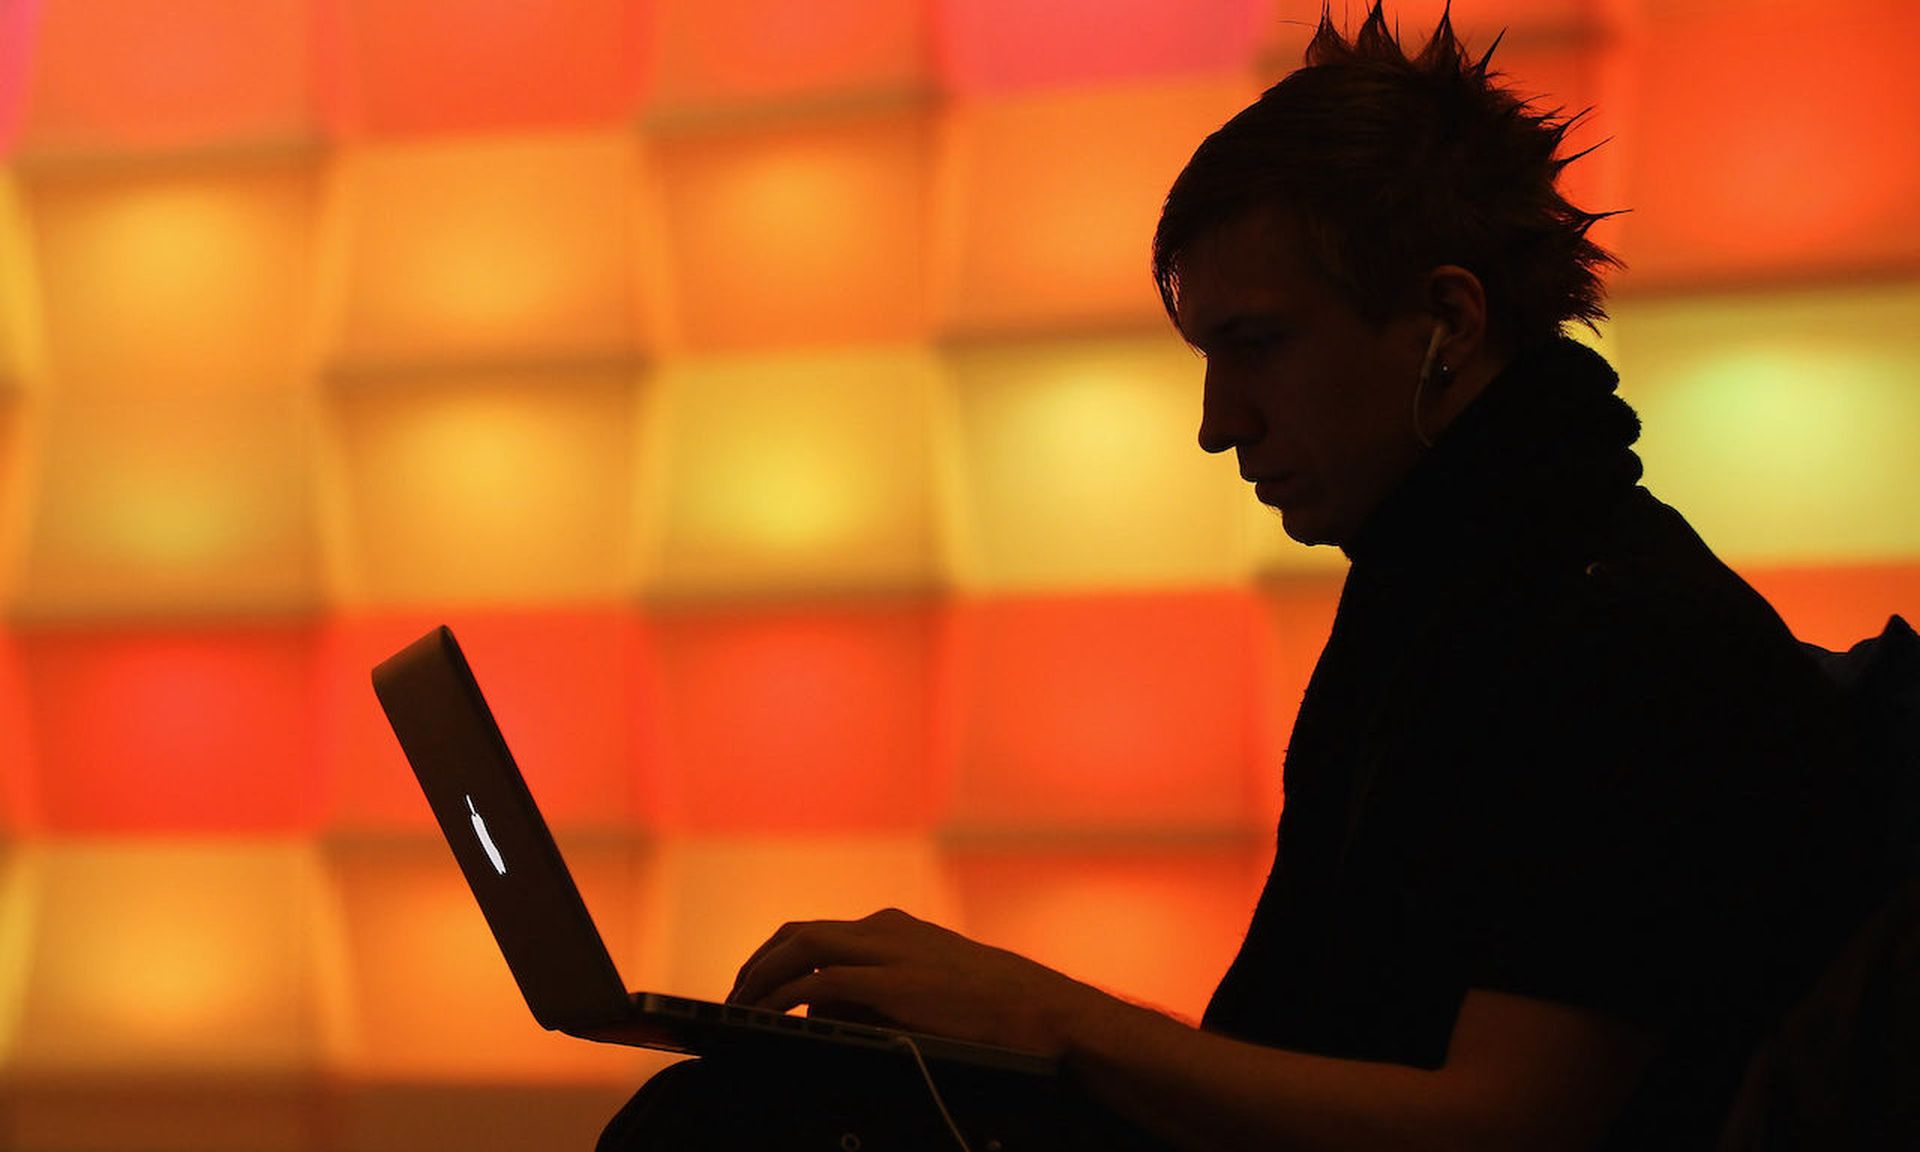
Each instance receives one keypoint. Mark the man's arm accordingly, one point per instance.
(1520, 1072)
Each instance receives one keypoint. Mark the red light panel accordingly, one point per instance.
(150, 731)
(797, 720)
(1110, 713)
(1775, 138)
(142, 75)
(19, 803)
(559, 684)
(18, 22)
(409, 67)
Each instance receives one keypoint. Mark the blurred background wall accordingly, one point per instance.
(774, 398)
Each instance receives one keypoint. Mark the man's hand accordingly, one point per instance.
(919, 976)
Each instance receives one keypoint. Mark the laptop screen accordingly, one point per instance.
(497, 834)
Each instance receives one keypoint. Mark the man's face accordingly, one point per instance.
(1316, 403)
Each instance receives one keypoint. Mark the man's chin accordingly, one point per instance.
(1306, 528)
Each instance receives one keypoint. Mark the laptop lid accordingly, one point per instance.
(498, 835)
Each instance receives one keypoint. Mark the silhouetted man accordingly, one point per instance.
(1529, 889)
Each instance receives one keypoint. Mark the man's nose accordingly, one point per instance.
(1226, 419)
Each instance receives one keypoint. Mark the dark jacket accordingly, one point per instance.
(1553, 747)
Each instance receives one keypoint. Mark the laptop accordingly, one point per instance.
(529, 899)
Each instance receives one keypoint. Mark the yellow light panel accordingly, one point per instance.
(1051, 201)
(475, 489)
(180, 959)
(800, 473)
(468, 249)
(726, 896)
(191, 506)
(1078, 468)
(432, 998)
(1782, 426)
(182, 280)
(800, 234)
(18, 908)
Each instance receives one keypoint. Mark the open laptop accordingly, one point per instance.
(528, 896)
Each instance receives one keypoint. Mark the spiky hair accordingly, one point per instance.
(1395, 165)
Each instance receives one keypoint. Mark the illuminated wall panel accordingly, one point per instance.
(1112, 713)
(800, 234)
(1837, 607)
(17, 908)
(19, 797)
(469, 249)
(710, 54)
(178, 280)
(1298, 613)
(1078, 467)
(147, 75)
(728, 896)
(407, 67)
(175, 960)
(561, 686)
(794, 719)
(1054, 196)
(1777, 153)
(173, 506)
(18, 23)
(22, 355)
(166, 730)
(797, 473)
(433, 999)
(1155, 924)
(1782, 425)
(995, 45)
(477, 487)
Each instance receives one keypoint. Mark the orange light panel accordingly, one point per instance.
(802, 235)
(1053, 199)
(175, 507)
(485, 488)
(794, 720)
(160, 731)
(995, 45)
(1078, 469)
(432, 998)
(193, 959)
(729, 895)
(725, 53)
(1299, 616)
(410, 67)
(1737, 172)
(1118, 713)
(799, 473)
(149, 75)
(192, 279)
(560, 685)
(1837, 607)
(464, 250)
(1782, 425)
(1154, 924)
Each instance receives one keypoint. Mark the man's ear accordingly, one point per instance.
(1458, 300)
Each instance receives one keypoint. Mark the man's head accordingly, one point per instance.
(1370, 220)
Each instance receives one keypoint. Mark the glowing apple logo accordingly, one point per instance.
(486, 841)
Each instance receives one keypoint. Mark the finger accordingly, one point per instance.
(820, 944)
(854, 993)
(779, 936)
